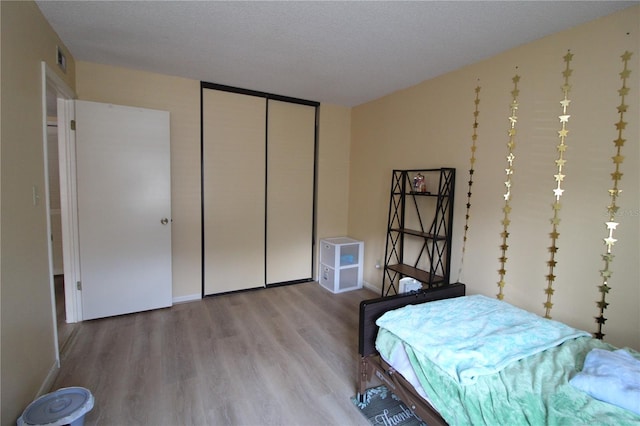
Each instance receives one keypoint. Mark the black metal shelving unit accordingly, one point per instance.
(419, 229)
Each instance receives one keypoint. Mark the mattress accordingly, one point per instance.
(399, 360)
(534, 390)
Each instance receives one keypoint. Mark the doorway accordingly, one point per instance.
(56, 93)
(65, 329)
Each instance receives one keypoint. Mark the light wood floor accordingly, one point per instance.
(278, 356)
(65, 330)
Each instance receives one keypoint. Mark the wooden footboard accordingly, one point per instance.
(370, 363)
(373, 365)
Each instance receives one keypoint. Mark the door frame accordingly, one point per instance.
(68, 197)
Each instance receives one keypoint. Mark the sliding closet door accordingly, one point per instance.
(233, 127)
(290, 191)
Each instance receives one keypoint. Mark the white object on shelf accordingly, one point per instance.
(341, 264)
(408, 284)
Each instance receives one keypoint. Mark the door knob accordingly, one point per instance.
(164, 221)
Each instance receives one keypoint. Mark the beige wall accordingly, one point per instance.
(430, 125)
(181, 97)
(333, 170)
(28, 348)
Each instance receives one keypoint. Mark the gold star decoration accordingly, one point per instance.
(612, 210)
(558, 193)
(559, 177)
(609, 242)
(621, 125)
(604, 288)
(607, 257)
(472, 161)
(511, 144)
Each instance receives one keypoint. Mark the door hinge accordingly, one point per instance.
(79, 285)
(73, 124)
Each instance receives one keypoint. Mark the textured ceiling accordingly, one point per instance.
(344, 53)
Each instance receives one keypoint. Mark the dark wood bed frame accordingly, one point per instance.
(371, 364)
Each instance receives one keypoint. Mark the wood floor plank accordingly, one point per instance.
(278, 356)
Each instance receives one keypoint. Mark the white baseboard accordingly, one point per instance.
(48, 381)
(187, 298)
(370, 286)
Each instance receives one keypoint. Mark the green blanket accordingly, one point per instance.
(532, 391)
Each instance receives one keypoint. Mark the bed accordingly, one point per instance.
(523, 387)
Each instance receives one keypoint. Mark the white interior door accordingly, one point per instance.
(124, 208)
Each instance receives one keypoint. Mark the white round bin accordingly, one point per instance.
(66, 406)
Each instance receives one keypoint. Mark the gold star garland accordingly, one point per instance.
(472, 161)
(614, 193)
(513, 119)
(559, 178)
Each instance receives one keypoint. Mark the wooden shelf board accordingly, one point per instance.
(418, 274)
